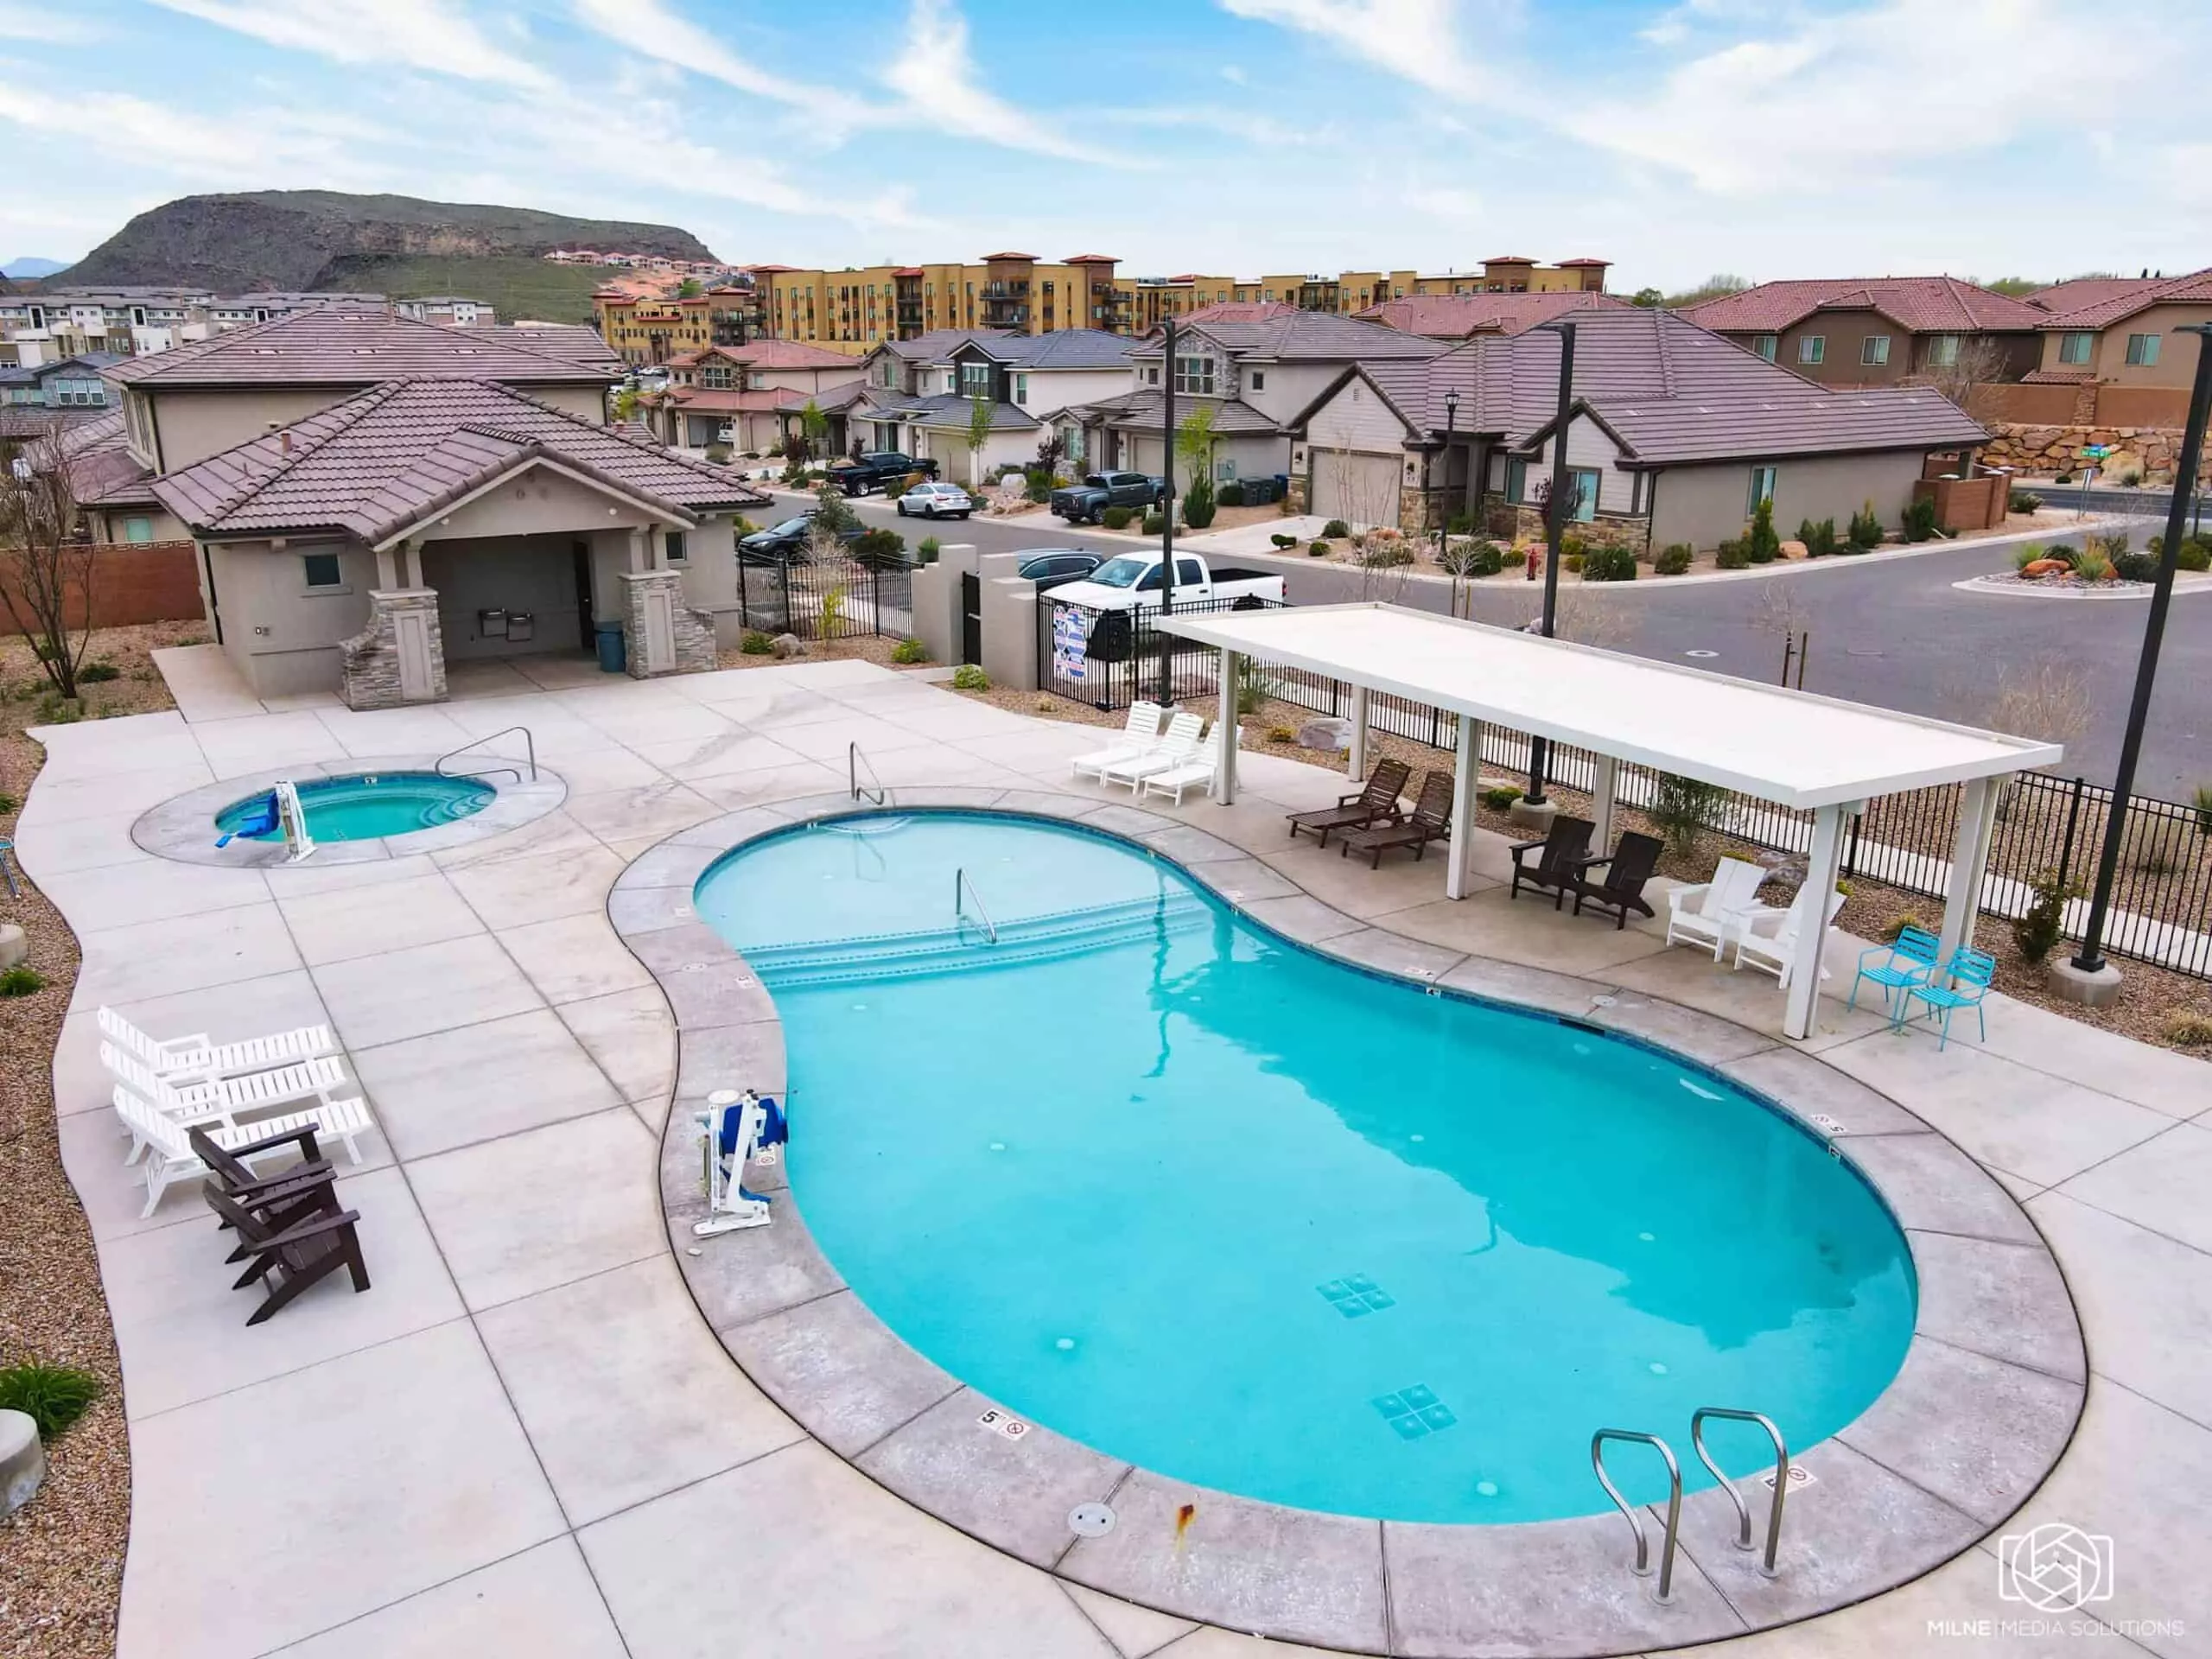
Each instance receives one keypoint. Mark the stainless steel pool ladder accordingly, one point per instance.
(964, 892)
(1743, 1510)
(873, 791)
(530, 748)
(1643, 1566)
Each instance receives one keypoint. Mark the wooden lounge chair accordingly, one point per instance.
(1563, 849)
(1633, 861)
(290, 1248)
(287, 1192)
(1376, 801)
(1431, 820)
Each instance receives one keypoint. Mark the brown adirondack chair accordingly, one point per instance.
(1633, 861)
(1431, 820)
(1561, 850)
(293, 1245)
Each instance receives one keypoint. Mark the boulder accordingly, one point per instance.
(1796, 551)
(789, 645)
(13, 946)
(23, 1460)
(2040, 567)
(1327, 733)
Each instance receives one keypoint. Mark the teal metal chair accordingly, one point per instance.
(1907, 961)
(1961, 983)
(8, 847)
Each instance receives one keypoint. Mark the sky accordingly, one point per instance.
(1678, 138)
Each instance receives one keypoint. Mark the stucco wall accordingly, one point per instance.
(283, 636)
(542, 499)
(193, 424)
(1356, 418)
(1704, 505)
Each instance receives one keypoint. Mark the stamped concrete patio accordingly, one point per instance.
(526, 1439)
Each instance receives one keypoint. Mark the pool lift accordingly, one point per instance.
(737, 1127)
(279, 808)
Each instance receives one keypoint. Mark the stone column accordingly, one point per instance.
(400, 656)
(661, 634)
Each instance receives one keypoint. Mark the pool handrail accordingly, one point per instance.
(530, 748)
(1743, 1510)
(961, 887)
(855, 760)
(1643, 1566)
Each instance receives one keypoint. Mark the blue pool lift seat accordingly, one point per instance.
(1961, 982)
(1907, 961)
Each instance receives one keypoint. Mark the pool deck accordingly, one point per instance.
(526, 1439)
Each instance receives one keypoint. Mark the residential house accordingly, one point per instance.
(1462, 316)
(451, 310)
(2114, 339)
(59, 383)
(1881, 331)
(730, 394)
(133, 320)
(375, 499)
(1674, 435)
(1250, 377)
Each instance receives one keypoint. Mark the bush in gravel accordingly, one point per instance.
(1117, 518)
(969, 677)
(1279, 539)
(1517, 557)
(1609, 564)
(1865, 530)
(2201, 805)
(1820, 539)
(1571, 562)
(1910, 919)
(2040, 927)
(1385, 556)
(1155, 523)
(1682, 807)
(2191, 556)
(907, 652)
(1761, 544)
(2092, 564)
(756, 644)
(1335, 531)
(1318, 551)
(97, 673)
(1282, 735)
(8, 803)
(1499, 796)
(1919, 521)
(52, 1396)
(1674, 560)
(1731, 555)
(2136, 567)
(2023, 501)
(21, 980)
(1198, 504)
(929, 550)
(2186, 1028)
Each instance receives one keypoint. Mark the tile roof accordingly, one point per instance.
(938, 343)
(829, 399)
(338, 346)
(2077, 291)
(2058, 377)
(1455, 316)
(1917, 304)
(787, 354)
(579, 342)
(388, 457)
(1237, 311)
(1314, 335)
(2194, 288)
(1064, 348)
(1142, 409)
(719, 400)
(950, 409)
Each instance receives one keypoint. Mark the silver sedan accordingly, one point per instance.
(931, 500)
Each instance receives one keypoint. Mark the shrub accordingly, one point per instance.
(1230, 495)
(907, 652)
(1499, 796)
(1674, 560)
(718, 454)
(8, 803)
(1731, 555)
(880, 549)
(832, 513)
(2136, 567)
(969, 677)
(1819, 538)
(2186, 1028)
(929, 550)
(1918, 522)
(744, 526)
(2128, 478)
(1472, 558)
(1761, 544)
(2115, 544)
(2064, 477)
(1380, 554)
(1609, 564)
(756, 644)
(1155, 523)
(2158, 845)
(1282, 735)
(1335, 531)
(1571, 562)
(2023, 501)
(21, 980)
(1681, 808)
(1865, 530)
(1572, 547)
(1117, 518)
(1909, 918)
(1517, 555)
(1279, 539)
(2202, 803)
(1318, 551)
(2026, 554)
(1198, 504)
(2039, 929)
(52, 1396)
(2091, 565)
(98, 673)
(1459, 524)
(2190, 556)
(57, 710)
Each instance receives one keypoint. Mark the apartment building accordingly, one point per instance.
(647, 324)
(448, 311)
(134, 320)
(60, 383)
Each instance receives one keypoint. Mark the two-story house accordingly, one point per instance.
(374, 499)
(1880, 331)
(2112, 337)
(730, 394)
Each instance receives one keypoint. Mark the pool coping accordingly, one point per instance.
(1985, 1403)
(181, 827)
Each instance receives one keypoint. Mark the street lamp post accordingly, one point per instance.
(1451, 426)
(2097, 980)
(1556, 507)
(1168, 510)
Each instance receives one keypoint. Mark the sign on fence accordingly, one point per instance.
(1068, 642)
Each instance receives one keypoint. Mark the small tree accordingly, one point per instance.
(46, 573)
(981, 411)
(813, 429)
(1648, 298)
(1682, 809)
(1973, 379)
(832, 513)
(1050, 449)
(1195, 435)
(1762, 544)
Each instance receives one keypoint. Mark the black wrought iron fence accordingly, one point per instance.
(833, 598)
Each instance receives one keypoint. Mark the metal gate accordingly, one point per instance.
(971, 618)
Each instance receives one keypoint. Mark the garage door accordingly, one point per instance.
(1360, 489)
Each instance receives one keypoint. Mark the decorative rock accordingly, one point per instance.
(14, 947)
(23, 1460)
(1327, 733)
(789, 644)
(2045, 567)
(1796, 551)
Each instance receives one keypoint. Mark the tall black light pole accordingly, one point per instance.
(2090, 959)
(1556, 507)
(1168, 510)
(1450, 424)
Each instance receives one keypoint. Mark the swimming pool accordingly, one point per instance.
(366, 806)
(1213, 1203)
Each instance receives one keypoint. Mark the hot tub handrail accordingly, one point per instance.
(1743, 1510)
(1643, 1566)
(874, 793)
(529, 746)
(963, 889)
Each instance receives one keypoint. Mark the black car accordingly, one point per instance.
(1048, 567)
(784, 543)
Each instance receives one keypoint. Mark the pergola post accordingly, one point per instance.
(1601, 799)
(1460, 853)
(1803, 991)
(1969, 853)
(1357, 761)
(1224, 733)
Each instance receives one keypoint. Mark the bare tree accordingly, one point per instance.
(1782, 611)
(1587, 617)
(1971, 379)
(46, 572)
(2045, 697)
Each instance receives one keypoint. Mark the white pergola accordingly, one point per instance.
(1789, 747)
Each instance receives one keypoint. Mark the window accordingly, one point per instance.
(1194, 374)
(1187, 573)
(1021, 388)
(1764, 345)
(715, 377)
(1517, 481)
(1813, 348)
(2142, 350)
(1942, 350)
(1762, 488)
(672, 544)
(1259, 379)
(2076, 348)
(1874, 351)
(975, 377)
(1152, 374)
(323, 571)
(137, 529)
(1583, 481)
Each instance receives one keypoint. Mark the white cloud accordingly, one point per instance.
(651, 27)
(44, 24)
(1416, 39)
(935, 76)
(210, 148)
(1242, 124)
(428, 35)
(1234, 74)
(1443, 201)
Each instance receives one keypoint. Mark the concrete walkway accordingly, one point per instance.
(525, 1440)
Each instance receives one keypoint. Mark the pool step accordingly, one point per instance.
(958, 948)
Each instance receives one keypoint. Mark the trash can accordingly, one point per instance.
(613, 659)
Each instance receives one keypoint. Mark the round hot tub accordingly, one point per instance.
(365, 806)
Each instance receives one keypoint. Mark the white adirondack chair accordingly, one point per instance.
(1179, 747)
(1139, 734)
(1195, 773)
(1772, 942)
(185, 1060)
(170, 1156)
(221, 1101)
(1710, 914)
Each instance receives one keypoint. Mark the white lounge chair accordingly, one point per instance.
(1139, 734)
(1179, 747)
(1710, 914)
(1195, 773)
(170, 1156)
(223, 1101)
(182, 1059)
(1770, 942)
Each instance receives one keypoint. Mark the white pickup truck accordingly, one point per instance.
(1132, 582)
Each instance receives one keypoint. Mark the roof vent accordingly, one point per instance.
(264, 351)
(365, 351)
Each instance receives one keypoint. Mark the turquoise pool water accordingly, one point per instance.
(1208, 1202)
(369, 805)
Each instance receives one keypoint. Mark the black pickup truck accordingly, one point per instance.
(878, 471)
(1083, 503)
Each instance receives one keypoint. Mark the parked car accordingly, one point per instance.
(1083, 503)
(1132, 582)
(1056, 567)
(787, 542)
(878, 471)
(934, 500)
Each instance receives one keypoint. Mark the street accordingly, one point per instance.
(1893, 632)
